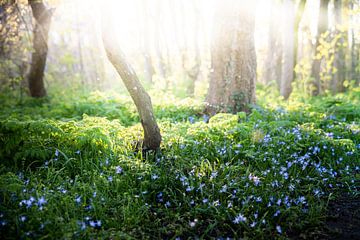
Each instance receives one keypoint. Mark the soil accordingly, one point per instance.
(342, 222)
(343, 219)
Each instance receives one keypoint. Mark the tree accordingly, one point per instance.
(141, 98)
(192, 64)
(290, 44)
(322, 27)
(233, 58)
(148, 65)
(287, 71)
(339, 58)
(273, 60)
(42, 16)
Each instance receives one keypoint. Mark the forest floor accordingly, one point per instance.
(287, 170)
(343, 219)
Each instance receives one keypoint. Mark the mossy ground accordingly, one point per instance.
(69, 168)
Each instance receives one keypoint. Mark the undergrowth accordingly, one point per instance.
(69, 168)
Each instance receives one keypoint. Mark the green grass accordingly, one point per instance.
(69, 168)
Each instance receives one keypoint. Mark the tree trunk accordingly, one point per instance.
(42, 16)
(233, 58)
(287, 73)
(273, 60)
(193, 70)
(158, 50)
(339, 58)
(142, 100)
(321, 29)
(148, 65)
(299, 14)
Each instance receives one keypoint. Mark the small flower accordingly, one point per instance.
(22, 218)
(118, 170)
(78, 199)
(278, 229)
(239, 218)
(206, 118)
(41, 201)
(214, 174)
(223, 189)
(56, 153)
(253, 224)
(191, 119)
(154, 177)
(78, 152)
(277, 213)
(205, 200)
(82, 225)
(110, 178)
(95, 224)
(193, 223)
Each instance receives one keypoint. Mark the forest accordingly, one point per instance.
(180, 119)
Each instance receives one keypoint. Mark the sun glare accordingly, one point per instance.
(171, 24)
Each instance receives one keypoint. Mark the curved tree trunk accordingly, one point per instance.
(233, 58)
(42, 16)
(141, 98)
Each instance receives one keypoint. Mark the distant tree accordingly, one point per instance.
(339, 58)
(273, 59)
(141, 98)
(159, 43)
(192, 62)
(322, 27)
(290, 44)
(287, 71)
(42, 16)
(233, 58)
(148, 63)
(353, 64)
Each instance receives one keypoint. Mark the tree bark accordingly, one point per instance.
(233, 58)
(322, 27)
(42, 16)
(141, 98)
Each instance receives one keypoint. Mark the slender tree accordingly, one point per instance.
(290, 43)
(322, 27)
(42, 16)
(233, 58)
(148, 65)
(191, 59)
(274, 46)
(141, 98)
(158, 40)
(287, 73)
(339, 58)
(299, 15)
